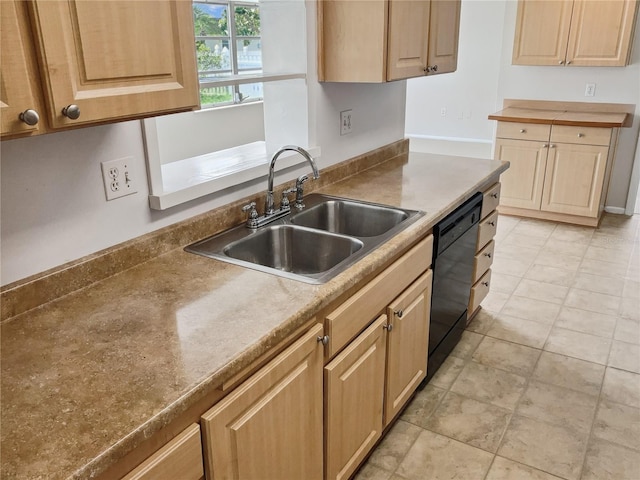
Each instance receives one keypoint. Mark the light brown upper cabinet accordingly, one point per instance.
(20, 107)
(574, 32)
(384, 40)
(103, 61)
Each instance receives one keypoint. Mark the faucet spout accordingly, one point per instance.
(269, 208)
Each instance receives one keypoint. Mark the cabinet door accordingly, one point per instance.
(601, 32)
(115, 59)
(354, 387)
(17, 75)
(408, 38)
(180, 458)
(444, 28)
(407, 344)
(574, 179)
(270, 428)
(352, 43)
(522, 183)
(542, 32)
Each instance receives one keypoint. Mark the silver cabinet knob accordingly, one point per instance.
(399, 313)
(435, 68)
(324, 340)
(545, 145)
(427, 69)
(486, 284)
(568, 62)
(71, 111)
(494, 195)
(388, 327)
(552, 146)
(522, 130)
(580, 135)
(561, 62)
(30, 117)
(493, 224)
(488, 255)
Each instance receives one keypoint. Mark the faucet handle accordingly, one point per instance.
(284, 204)
(252, 220)
(300, 191)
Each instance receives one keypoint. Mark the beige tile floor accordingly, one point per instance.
(545, 383)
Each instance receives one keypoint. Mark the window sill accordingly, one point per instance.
(195, 177)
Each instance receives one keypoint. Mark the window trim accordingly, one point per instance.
(251, 166)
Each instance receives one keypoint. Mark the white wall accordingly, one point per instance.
(53, 209)
(485, 77)
(190, 134)
(470, 93)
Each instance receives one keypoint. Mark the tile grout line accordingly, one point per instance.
(593, 420)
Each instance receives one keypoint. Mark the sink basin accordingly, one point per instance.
(293, 249)
(350, 218)
(313, 245)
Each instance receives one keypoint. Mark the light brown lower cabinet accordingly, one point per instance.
(557, 172)
(354, 383)
(180, 458)
(407, 344)
(271, 426)
(368, 383)
(485, 245)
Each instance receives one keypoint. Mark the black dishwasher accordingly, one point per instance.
(453, 255)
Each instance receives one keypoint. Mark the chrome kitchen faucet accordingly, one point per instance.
(270, 213)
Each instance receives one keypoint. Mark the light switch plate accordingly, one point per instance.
(345, 122)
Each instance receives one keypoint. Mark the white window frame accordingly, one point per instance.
(233, 76)
(285, 111)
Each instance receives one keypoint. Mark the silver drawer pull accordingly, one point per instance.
(488, 255)
(30, 117)
(493, 224)
(324, 339)
(580, 135)
(71, 111)
(494, 195)
(522, 130)
(388, 327)
(486, 284)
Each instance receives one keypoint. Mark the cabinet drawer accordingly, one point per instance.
(580, 135)
(180, 458)
(483, 260)
(479, 291)
(490, 200)
(344, 323)
(487, 230)
(523, 131)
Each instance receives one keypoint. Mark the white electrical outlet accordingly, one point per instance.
(590, 90)
(345, 122)
(443, 112)
(118, 178)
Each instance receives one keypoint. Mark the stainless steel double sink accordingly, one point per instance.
(312, 245)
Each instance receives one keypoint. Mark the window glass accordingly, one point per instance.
(228, 45)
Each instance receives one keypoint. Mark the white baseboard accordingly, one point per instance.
(616, 210)
(457, 146)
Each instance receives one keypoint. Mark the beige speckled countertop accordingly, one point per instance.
(87, 377)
